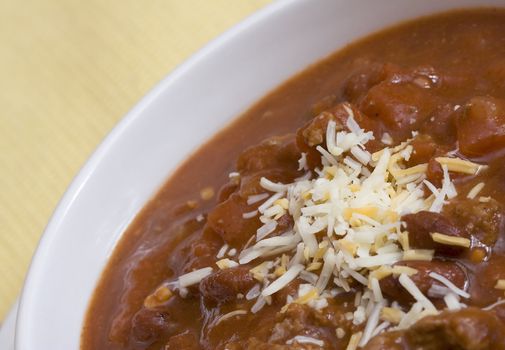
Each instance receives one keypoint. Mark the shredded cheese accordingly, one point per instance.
(449, 285)
(500, 284)
(411, 287)
(347, 233)
(354, 341)
(303, 339)
(475, 190)
(418, 254)
(392, 315)
(459, 165)
(229, 315)
(282, 281)
(372, 323)
(222, 251)
(450, 240)
(452, 301)
(194, 277)
(226, 263)
(492, 306)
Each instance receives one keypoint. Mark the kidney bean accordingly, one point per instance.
(391, 286)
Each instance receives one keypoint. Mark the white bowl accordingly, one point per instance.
(184, 110)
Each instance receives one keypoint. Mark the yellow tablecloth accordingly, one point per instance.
(69, 70)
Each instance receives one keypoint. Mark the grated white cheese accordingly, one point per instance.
(492, 306)
(326, 273)
(387, 139)
(259, 304)
(372, 323)
(377, 292)
(438, 291)
(411, 287)
(255, 198)
(302, 162)
(230, 315)
(272, 186)
(265, 230)
(361, 155)
(353, 342)
(232, 252)
(475, 190)
(484, 199)
(194, 277)
(282, 281)
(250, 214)
(412, 316)
(383, 326)
(379, 260)
(303, 339)
(222, 251)
(327, 156)
(431, 187)
(226, 263)
(268, 203)
(254, 292)
(449, 284)
(452, 302)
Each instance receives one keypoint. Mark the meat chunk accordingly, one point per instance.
(224, 285)
(275, 159)
(442, 124)
(313, 133)
(402, 107)
(195, 252)
(303, 320)
(387, 341)
(250, 184)
(227, 190)
(274, 153)
(149, 325)
(424, 148)
(421, 224)
(483, 281)
(483, 220)
(297, 319)
(467, 329)
(323, 104)
(481, 127)
(450, 270)
(435, 173)
(368, 75)
(226, 220)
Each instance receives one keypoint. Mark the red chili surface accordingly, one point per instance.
(442, 77)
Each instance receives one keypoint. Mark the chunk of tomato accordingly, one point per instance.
(481, 128)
